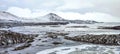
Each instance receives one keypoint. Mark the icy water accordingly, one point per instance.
(39, 47)
(83, 49)
(92, 29)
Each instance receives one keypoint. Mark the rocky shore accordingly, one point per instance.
(97, 39)
(114, 27)
(77, 27)
(112, 39)
(14, 24)
(9, 37)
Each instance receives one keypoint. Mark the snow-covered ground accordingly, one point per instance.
(44, 45)
(83, 49)
(92, 29)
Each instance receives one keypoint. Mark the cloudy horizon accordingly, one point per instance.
(100, 10)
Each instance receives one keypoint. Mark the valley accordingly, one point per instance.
(51, 34)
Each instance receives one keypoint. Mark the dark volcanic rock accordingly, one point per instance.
(22, 47)
(114, 27)
(77, 27)
(55, 34)
(13, 24)
(57, 43)
(8, 37)
(97, 39)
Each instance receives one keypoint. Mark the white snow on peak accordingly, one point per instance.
(50, 17)
(8, 16)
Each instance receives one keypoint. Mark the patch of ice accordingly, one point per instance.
(59, 50)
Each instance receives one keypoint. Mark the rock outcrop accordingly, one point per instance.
(114, 27)
(97, 39)
(8, 37)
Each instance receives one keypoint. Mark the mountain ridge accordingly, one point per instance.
(51, 17)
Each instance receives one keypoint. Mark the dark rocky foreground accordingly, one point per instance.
(8, 37)
(113, 39)
(114, 27)
(97, 39)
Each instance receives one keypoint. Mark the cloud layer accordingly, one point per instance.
(100, 10)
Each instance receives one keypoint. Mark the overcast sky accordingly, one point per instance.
(99, 10)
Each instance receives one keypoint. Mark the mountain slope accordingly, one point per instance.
(50, 17)
(8, 16)
(54, 17)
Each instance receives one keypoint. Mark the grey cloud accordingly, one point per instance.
(105, 6)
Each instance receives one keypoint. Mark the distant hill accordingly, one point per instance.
(54, 17)
(51, 17)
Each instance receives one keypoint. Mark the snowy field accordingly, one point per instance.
(83, 49)
(44, 45)
(92, 29)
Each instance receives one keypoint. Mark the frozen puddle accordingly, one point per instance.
(83, 49)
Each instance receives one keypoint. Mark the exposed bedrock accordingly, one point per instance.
(114, 27)
(97, 39)
(8, 37)
(55, 34)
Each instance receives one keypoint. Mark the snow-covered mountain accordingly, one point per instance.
(55, 17)
(50, 17)
(8, 16)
